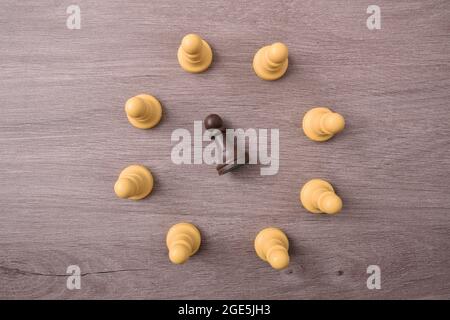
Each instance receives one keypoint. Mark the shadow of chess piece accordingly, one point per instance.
(229, 163)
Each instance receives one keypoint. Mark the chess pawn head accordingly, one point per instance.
(214, 123)
(194, 54)
(135, 182)
(318, 196)
(183, 240)
(272, 245)
(271, 62)
(321, 124)
(143, 111)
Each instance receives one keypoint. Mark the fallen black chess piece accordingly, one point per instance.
(214, 121)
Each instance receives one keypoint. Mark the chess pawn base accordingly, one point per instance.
(135, 182)
(272, 245)
(318, 196)
(259, 63)
(147, 115)
(183, 240)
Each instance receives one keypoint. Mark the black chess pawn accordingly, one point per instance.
(214, 121)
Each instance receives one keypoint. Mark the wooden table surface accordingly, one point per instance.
(64, 138)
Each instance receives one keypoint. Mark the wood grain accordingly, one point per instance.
(64, 138)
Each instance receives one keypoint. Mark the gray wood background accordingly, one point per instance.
(64, 138)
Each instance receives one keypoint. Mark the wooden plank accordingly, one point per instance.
(64, 139)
